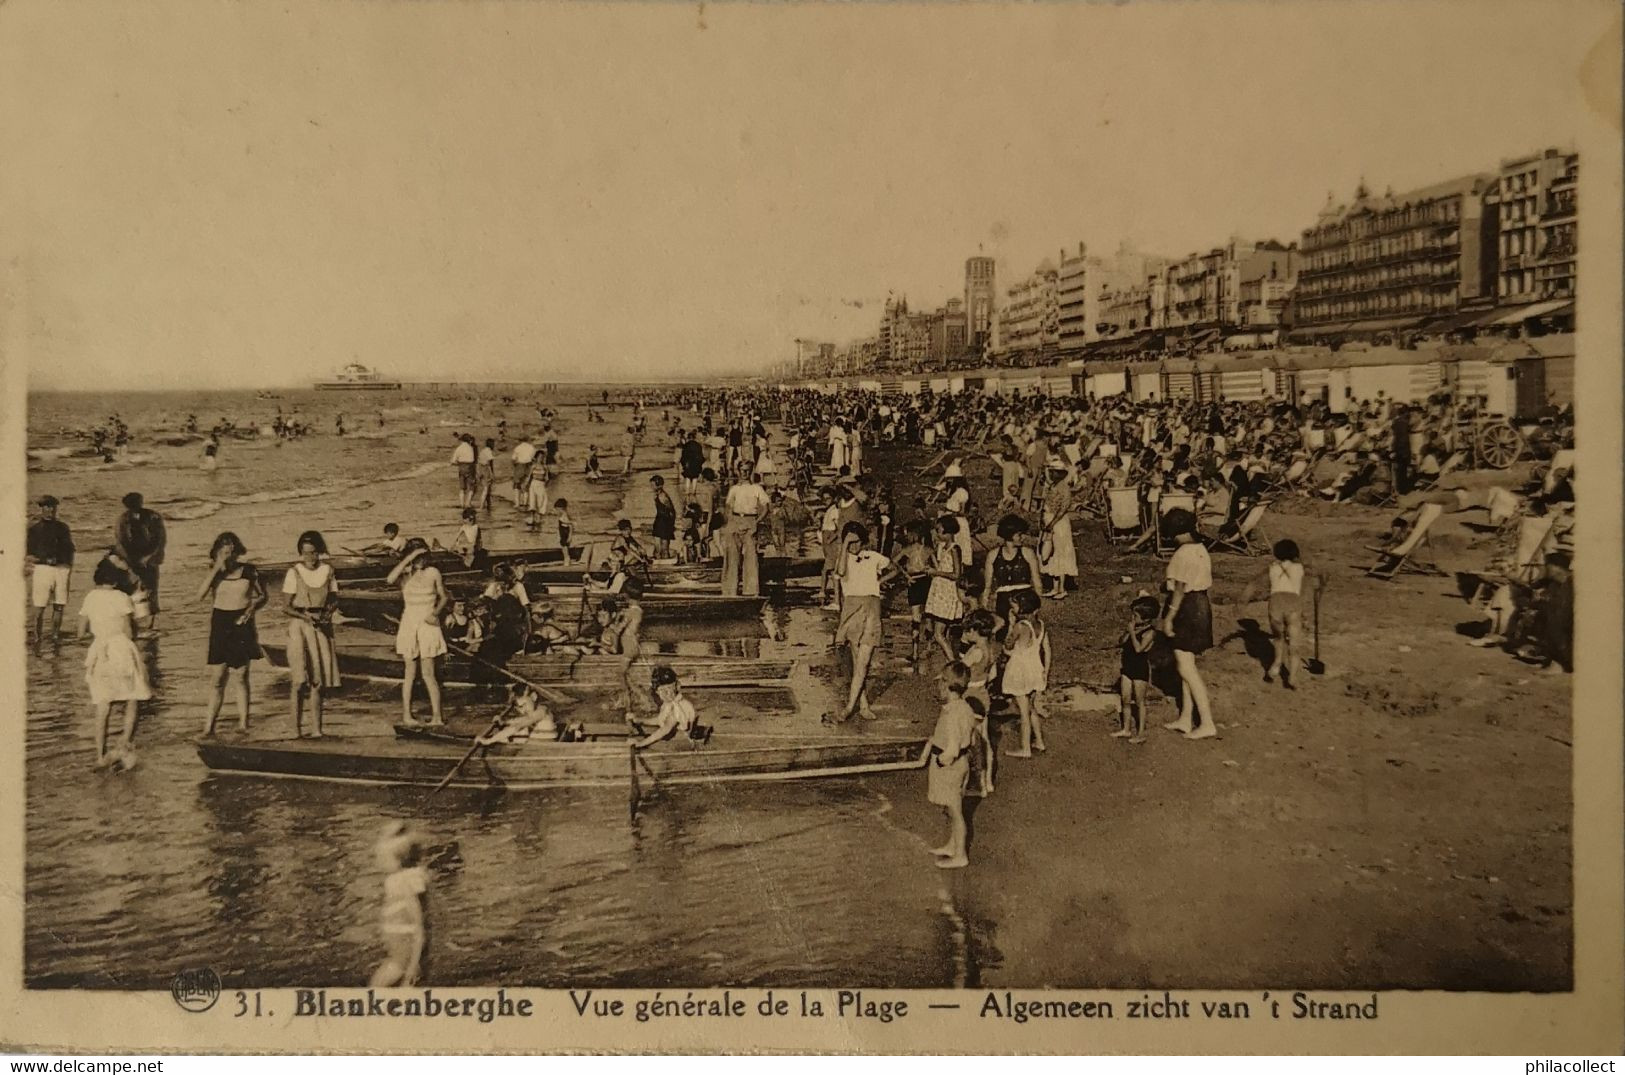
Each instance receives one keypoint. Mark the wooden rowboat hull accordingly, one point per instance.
(372, 606)
(547, 565)
(380, 662)
(533, 766)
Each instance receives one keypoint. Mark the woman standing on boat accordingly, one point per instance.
(233, 643)
(312, 591)
(628, 641)
(419, 640)
(665, 524)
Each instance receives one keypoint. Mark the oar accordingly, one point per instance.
(494, 725)
(581, 613)
(547, 693)
(632, 768)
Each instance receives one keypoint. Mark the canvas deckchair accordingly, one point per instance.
(1248, 538)
(1291, 479)
(1123, 523)
(1170, 501)
(1426, 483)
(1404, 558)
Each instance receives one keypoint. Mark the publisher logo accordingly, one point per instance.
(196, 990)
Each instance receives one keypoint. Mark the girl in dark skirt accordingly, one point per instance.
(665, 524)
(236, 595)
(1187, 620)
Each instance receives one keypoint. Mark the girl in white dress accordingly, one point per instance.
(114, 671)
(1026, 673)
(942, 602)
(837, 446)
(312, 592)
(1060, 555)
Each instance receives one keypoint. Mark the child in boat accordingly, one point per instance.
(1134, 670)
(566, 528)
(531, 717)
(676, 712)
(392, 545)
(948, 762)
(406, 884)
(626, 546)
(693, 533)
(547, 636)
(460, 626)
(467, 544)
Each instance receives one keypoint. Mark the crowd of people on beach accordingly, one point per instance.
(975, 542)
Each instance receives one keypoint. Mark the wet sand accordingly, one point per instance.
(1401, 821)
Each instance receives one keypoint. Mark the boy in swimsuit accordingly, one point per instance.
(406, 884)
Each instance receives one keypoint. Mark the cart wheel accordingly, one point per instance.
(1499, 445)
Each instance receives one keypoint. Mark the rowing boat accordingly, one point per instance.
(549, 764)
(372, 604)
(547, 565)
(377, 660)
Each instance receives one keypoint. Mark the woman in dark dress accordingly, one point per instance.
(665, 524)
(233, 642)
(1010, 568)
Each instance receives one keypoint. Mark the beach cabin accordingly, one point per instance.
(1240, 377)
(1147, 382)
(1179, 379)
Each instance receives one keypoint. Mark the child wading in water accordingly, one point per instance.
(113, 667)
(406, 884)
(1134, 674)
(1026, 673)
(948, 762)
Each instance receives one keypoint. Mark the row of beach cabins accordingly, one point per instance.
(1512, 378)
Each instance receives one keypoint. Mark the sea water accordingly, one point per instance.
(132, 877)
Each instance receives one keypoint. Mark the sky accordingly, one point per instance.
(233, 195)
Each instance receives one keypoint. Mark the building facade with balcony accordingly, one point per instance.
(948, 334)
(1086, 285)
(1396, 261)
(1030, 321)
(1523, 206)
(1555, 276)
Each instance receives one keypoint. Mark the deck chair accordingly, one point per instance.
(1391, 497)
(1123, 523)
(1165, 546)
(1248, 537)
(1427, 483)
(1404, 558)
(1290, 480)
(1562, 459)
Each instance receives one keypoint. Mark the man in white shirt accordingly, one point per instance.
(524, 456)
(463, 458)
(863, 572)
(744, 505)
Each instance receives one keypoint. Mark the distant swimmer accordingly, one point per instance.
(211, 453)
